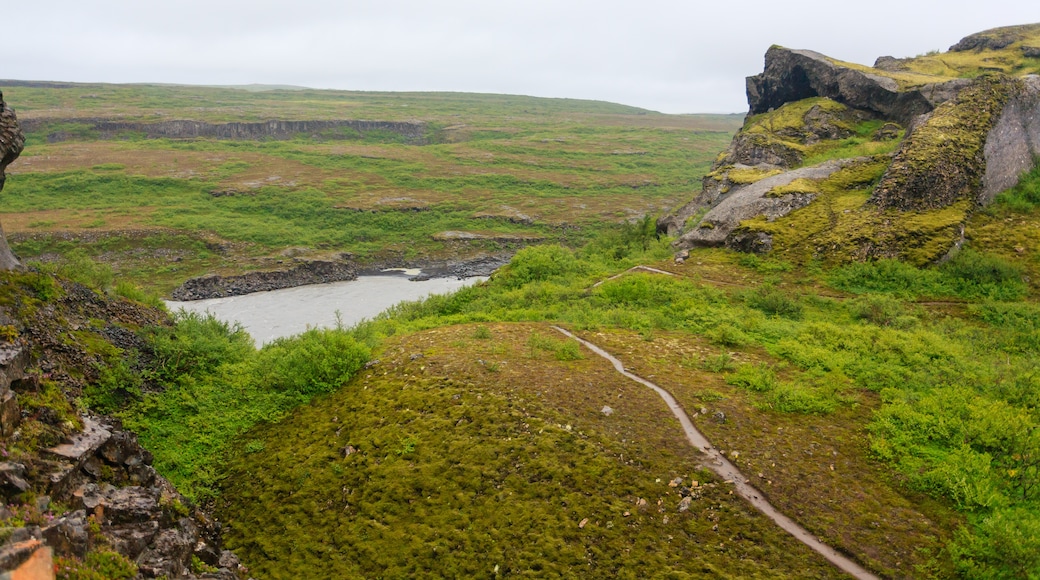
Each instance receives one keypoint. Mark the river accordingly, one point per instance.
(278, 313)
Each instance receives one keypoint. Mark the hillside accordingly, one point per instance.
(851, 322)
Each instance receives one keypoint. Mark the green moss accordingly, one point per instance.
(800, 185)
(789, 120)
(942, 161)
(840, 225)
(744, 176)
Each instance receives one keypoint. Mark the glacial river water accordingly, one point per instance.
(270, 315)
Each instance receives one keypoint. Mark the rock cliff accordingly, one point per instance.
(838, 161)
(74, 485)
(411, 131)
(11, 143)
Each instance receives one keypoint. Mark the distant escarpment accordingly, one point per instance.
(98, 128)
(839, 162)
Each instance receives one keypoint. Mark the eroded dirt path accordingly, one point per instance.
(729, 472)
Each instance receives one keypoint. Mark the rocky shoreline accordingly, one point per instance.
(323, 272)
(312, 272)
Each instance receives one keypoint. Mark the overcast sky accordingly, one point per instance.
(670, 56)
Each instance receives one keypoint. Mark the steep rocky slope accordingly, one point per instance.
(74, 485)
(838, 161)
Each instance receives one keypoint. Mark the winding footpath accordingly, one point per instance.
(730, 474)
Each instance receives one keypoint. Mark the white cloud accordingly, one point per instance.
(664, 55)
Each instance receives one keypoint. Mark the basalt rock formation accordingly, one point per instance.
(75, 484)
(11, 144)
(411, 131)
(839, 162)
(309, 272)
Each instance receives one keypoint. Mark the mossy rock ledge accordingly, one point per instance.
(942, 143)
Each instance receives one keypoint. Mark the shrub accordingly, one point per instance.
(773, 301)
(1003, 544)
(976, 275)
(758, 378)
(318, 361)
(539, 263)
(196, 345)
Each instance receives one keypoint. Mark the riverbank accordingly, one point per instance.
(313, 272)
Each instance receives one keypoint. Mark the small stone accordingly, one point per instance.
(664, 520)
(719, 417)
(675, 482)
(607, 411)
(416, 356)
(348, 450)
(584, 522)
(641, 503)
(626, 514)
(685, 503)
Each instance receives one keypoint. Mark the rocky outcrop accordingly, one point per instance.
(12, 141)
(761, 198)
(411, 131)
(312, 272)
(1013, 144)
(993, 39)
(792, 75)
(966, 140)
(116, 501)
(943, 160)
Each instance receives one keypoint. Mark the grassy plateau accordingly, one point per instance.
(892, 410)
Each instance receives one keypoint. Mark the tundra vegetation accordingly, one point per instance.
(892, 409)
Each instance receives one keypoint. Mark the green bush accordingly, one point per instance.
(976, 275)
(1004, 544)
(1024, 197)
(539, 263)
(775, 302)
(319, 360)
(196, 345)
(758, 378)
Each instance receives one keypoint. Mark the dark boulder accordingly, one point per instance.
(792, 75)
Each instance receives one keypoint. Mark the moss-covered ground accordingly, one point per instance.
(884, 407)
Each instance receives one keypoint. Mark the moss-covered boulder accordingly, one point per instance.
(943, 159)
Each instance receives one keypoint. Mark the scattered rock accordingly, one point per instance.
(684, 504)
(348, 451)
(69, 535)
(583, 523)
(607, 411)
(719, 417)
(12, 479)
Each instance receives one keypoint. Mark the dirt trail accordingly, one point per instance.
(730, 474)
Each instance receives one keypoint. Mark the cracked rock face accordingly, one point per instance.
(12, 141)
